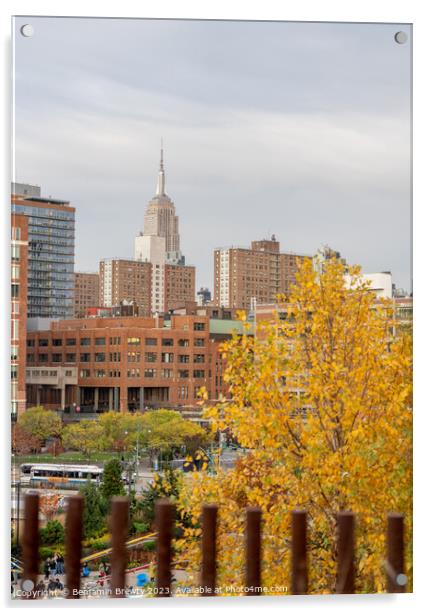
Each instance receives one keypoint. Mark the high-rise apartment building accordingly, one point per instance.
(19, 267)
(259, 274)
(125, 280)
(179, 285)
(51, 251)
(86, 293)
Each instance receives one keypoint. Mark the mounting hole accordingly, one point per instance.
(401, 579)
(400, 37)
(27, 30)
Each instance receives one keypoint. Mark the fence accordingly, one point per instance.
(165, 517)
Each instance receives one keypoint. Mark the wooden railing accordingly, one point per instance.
(165, 518)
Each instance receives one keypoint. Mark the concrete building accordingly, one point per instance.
(204, 296)
(51, 252)
(380, 283)
(127, 363)
(19, 272)
(325, 254)
(86, 292)
(125, 280)
(259, 274)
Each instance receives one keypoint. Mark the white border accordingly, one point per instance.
(397, 11)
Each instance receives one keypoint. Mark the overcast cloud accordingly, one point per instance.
(302, 130)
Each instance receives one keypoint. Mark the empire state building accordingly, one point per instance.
(160, 221)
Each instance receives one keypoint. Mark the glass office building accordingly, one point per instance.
(51, 255)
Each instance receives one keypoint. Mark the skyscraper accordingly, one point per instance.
(160, 221)
(51, 251)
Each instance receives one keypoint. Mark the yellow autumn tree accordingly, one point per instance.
(320, 397)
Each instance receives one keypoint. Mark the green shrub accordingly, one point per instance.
(149, 546)
(45, 553)
(139, 528)
(52, 533)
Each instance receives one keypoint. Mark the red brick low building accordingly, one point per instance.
(126, 363)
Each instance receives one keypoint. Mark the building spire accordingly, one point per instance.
(160, 191)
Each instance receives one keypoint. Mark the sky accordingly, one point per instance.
(296, 129)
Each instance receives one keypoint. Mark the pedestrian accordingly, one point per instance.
(47, 568)
(60, 561)
(85, 570)
(52, 566)
(52, 586)
(59, 584)
(57, 563)
(40, 588)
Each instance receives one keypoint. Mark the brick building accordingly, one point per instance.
(19, 272)
(127, 363)
(244, 276)
(86, 292)
(125, 280)
(153, 287)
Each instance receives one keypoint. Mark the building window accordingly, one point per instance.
(16, 233)
(43, 342)
(115, 340)
(199, 342)
(151, 341)
(30, 342)
(151, 358)
(85, 342)
(30, 357)
(70, 357)
(70, 341)
(115, 373)
(13, 352)
(197, 392)
(15, 252)
(167, 358)
(57, 342)
(199, 374)
(167, 342)
(183, 342)
(84, 357)
(100, 341)
(150, 373)
(199, 359)
(183, 392)
(57, 358)
(15, 272)
(133, 356)
(84, 373)
(133, 340)
(115, 356)
(133, 373)
(184, 359)
(43, 357)
(99, 357)
(198, 327)
(183, 374)
(14, 373)
(99, 373)
(14, 329)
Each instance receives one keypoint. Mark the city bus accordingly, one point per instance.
(64, 475)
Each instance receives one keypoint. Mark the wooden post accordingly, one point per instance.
(345, 583)
(75, 507)
(396, 578)
(165, 515)
(30, 545)
(253, 550)
(299, 553)
(119, 524)
(209, 539)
